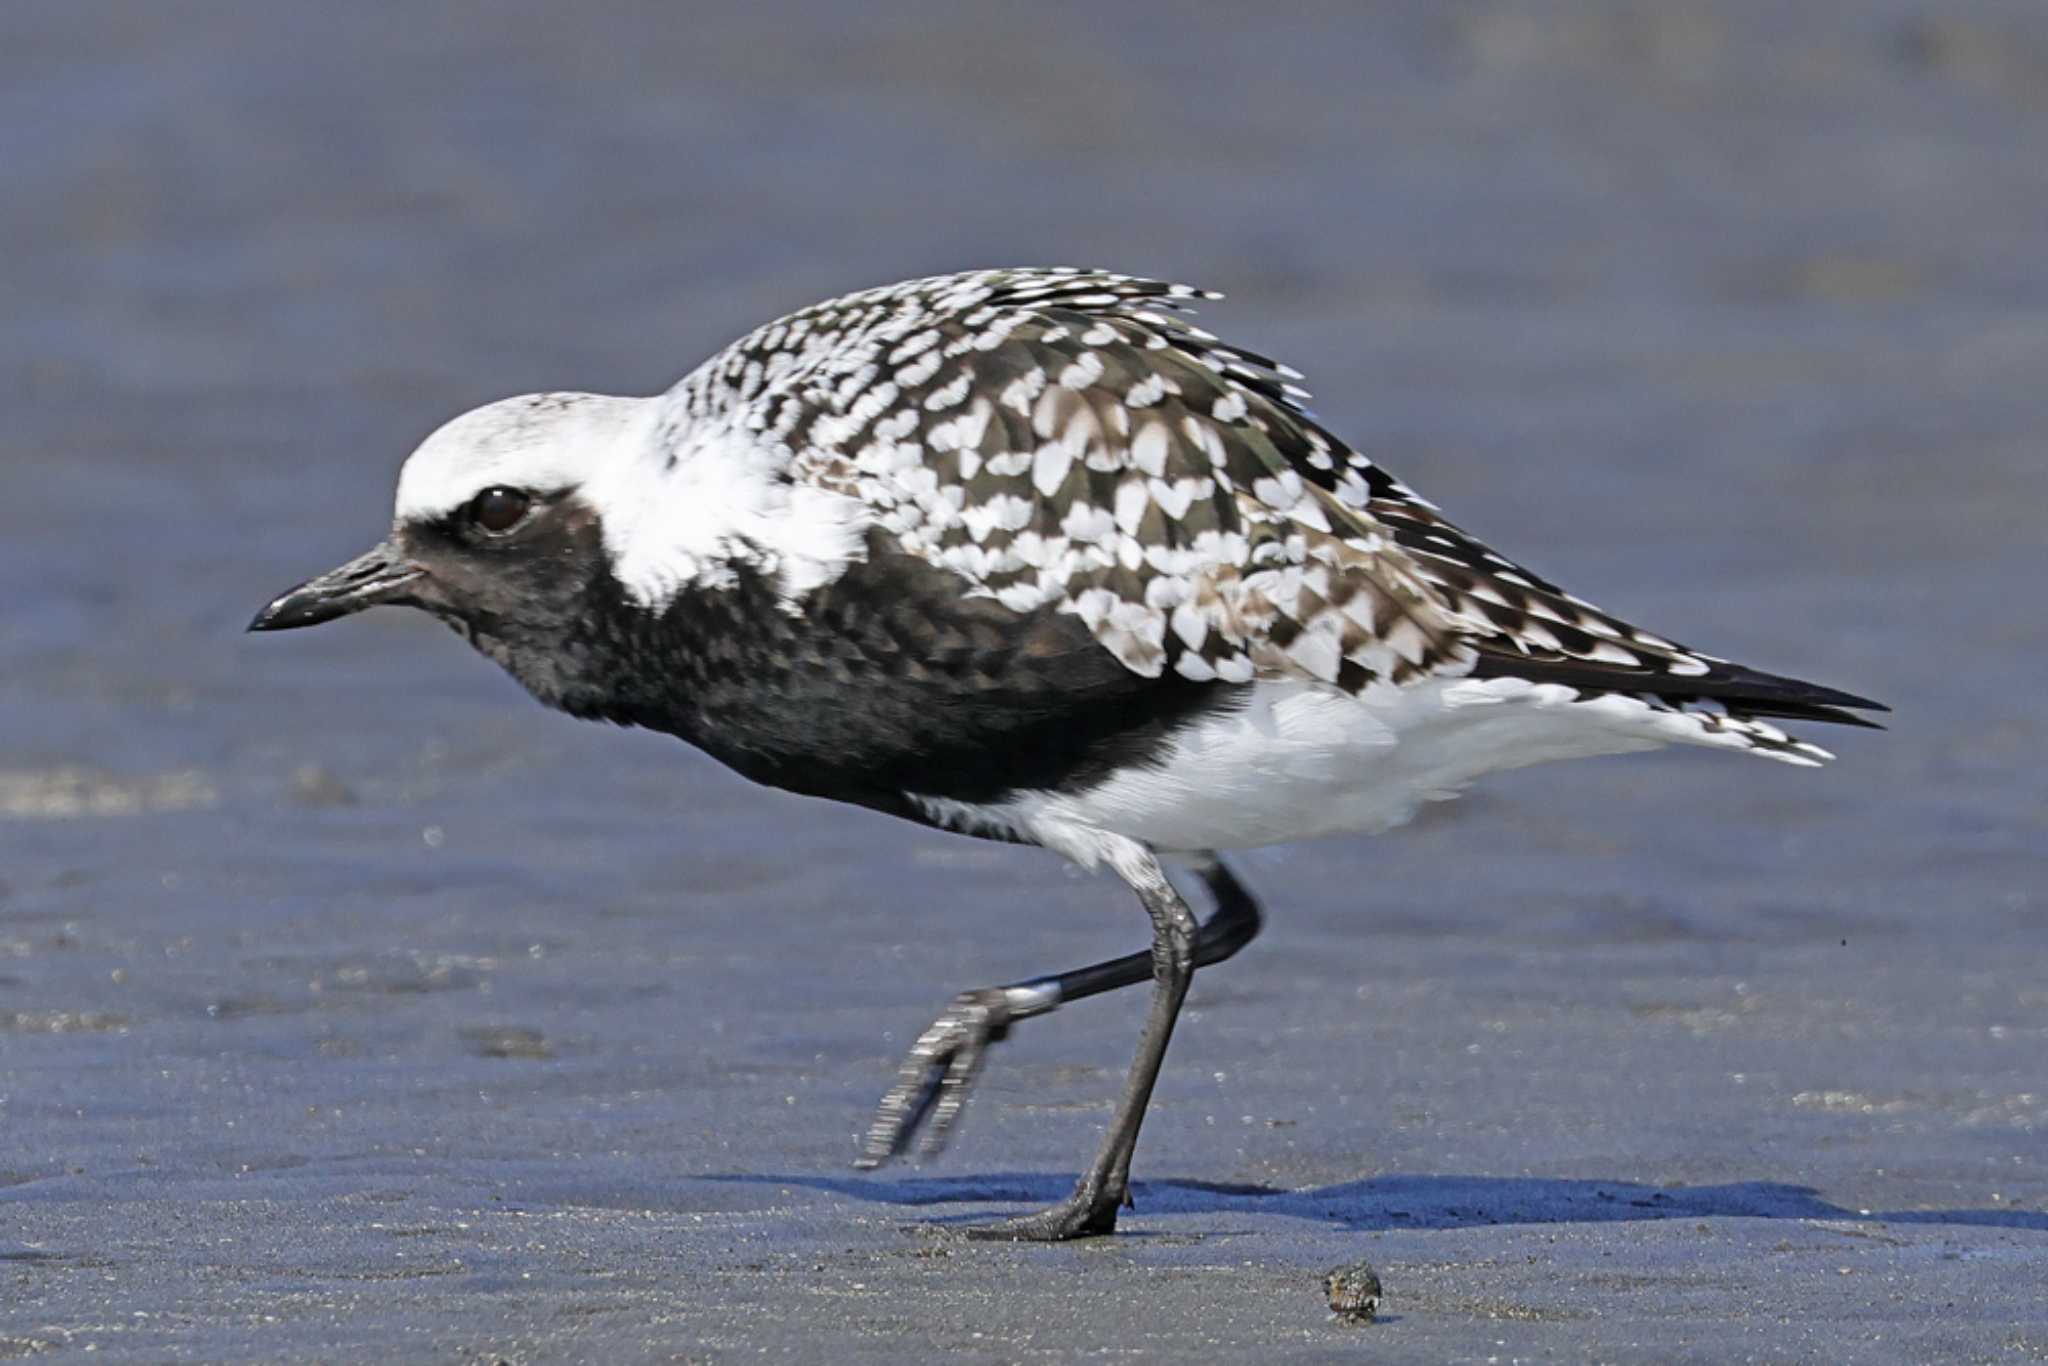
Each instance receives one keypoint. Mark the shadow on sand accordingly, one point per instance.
(1411, 1202)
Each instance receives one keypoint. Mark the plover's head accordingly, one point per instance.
(498, 525)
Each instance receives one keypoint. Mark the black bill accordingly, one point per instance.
(381, 575)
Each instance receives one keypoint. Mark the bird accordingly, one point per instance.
(1027, 555)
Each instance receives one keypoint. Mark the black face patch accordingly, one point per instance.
(515, 596)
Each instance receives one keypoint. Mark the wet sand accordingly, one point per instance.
(354, 1008)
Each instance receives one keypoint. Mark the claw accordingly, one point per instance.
(940, 1071)
(1084, 1214)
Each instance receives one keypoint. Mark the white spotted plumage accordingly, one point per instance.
(1067, 439)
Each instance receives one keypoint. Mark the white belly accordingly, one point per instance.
(1302, 760)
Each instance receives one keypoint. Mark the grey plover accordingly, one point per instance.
(1025, 554)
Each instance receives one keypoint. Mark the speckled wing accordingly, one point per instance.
(1070, 438)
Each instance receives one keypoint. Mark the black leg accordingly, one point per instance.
(1105, 1185)
(939, 1073)
(1235, 922)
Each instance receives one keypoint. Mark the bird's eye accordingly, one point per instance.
(498, 509)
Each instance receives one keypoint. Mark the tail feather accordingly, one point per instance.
(1741, 691)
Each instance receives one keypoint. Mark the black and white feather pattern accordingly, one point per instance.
(1070, 438)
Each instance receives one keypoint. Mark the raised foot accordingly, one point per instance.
(1080, 1215)
(935, 1079)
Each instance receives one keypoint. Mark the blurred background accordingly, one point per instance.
(1728, 315)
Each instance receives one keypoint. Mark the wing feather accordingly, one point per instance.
(1070, 438)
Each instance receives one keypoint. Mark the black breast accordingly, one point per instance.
(887, 680)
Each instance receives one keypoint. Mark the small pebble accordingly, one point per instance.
(315, 786)
(1354, 1292)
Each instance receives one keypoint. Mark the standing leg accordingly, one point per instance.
(1103, 1187)
(939, 1074)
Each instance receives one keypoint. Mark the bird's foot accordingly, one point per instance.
(937, 1075)
(1084, 1214)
